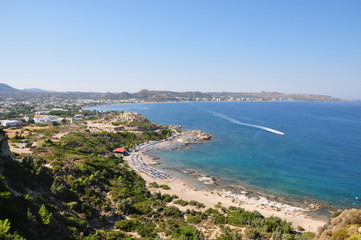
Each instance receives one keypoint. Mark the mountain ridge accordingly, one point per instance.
(4, 88)
(170, 96)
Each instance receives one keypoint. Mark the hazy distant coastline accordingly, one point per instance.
(153, 96)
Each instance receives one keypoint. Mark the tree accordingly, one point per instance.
(4, 226)
(45, 215)
(125, 205)
(4, 231)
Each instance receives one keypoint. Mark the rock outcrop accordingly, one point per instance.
(203, 136)
(5, 153)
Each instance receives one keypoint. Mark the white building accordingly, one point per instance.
(11, 123)
(41, 112)
(46, 119)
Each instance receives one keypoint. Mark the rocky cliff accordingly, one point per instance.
(5, 153)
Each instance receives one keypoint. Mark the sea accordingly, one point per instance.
(301, 150)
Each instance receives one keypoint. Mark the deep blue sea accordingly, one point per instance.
(319, 157)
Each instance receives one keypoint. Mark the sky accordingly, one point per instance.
(285, 46)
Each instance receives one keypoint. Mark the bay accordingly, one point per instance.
(318, 157)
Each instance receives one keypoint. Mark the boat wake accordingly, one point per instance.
(247, 124)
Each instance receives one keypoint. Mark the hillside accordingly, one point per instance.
(34, 90)
(345, 226)
(76, 188)
(4, 88)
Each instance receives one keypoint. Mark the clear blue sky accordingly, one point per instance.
(300, 46)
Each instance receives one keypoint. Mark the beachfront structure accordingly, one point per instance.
(47, 119)
(120, 150)
(137, 162)
(11, 123)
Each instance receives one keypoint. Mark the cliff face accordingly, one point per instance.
(5, 153)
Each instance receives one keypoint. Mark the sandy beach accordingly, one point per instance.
(184, 190)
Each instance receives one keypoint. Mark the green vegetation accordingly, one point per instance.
(164, 186)
(181, 202)
(75, 188)
(156, 135)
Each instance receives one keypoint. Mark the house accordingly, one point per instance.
(46, 119)
(120, 150)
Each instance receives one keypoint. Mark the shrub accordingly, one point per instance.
(172, 212)
(218, 219)
(142, 207)
(154, 185)
(186, 233)
(251, 233)
(355, 236)
(300, 228)
(165, 187)
(167, 198)
(211, 211)
(194, 219)
(197, 204)
(181, 202)
(306, 236)
(241, 218)
(59, 189)
(340, 234)
(127, 225)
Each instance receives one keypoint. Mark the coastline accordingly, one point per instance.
(183, 188)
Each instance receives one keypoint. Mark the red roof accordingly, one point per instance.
(119, 150)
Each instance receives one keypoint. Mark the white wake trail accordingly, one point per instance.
(248, 125)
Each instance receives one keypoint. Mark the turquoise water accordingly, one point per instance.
(319, 156)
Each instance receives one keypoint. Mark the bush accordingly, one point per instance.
(197, 204)
(147, 230)
(165, 187)
(252, 233)
(241, 218)
(306, 236)
(59, 189)
(211, 211)
(154, 185)
(218, 219)
(127, 225)
(167, 198)
(301, 229)
(181, 202)
(172, 212)
(355, 236)
(142, 207)
(340, 234)
(187, 233)
(194, 219)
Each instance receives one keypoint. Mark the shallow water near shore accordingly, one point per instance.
(318, 157)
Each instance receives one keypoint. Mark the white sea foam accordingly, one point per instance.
(247, 124)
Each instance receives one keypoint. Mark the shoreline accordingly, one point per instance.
(151, 102)
(250, 201)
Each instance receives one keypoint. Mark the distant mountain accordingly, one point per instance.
(166, 96)
(4, 88)
(34, 90)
